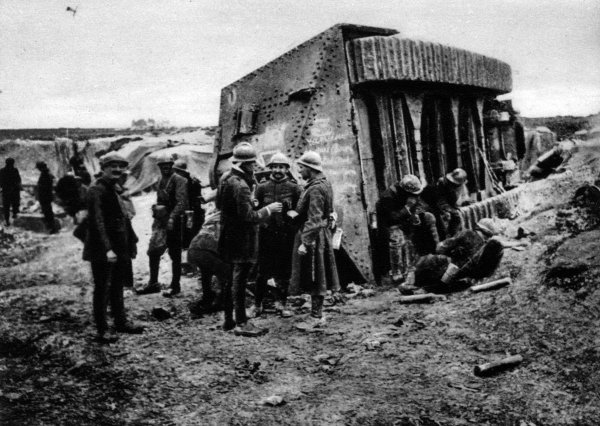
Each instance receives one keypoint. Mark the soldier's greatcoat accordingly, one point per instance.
(238, 242)
(108, 226)
(316, 271)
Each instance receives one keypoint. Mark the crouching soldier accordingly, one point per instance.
(276, 237)
(406, 229)
(110, 244)
(203, 254)
(470, 255)
(314, 269)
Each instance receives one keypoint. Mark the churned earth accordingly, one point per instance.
(378, 362)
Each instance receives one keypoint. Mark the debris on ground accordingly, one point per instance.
(491, 285)
(492, 368)
(273, 401)
(161, 314)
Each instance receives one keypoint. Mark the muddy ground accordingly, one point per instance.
(377, 363)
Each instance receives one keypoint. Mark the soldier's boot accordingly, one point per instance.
(316, 321)
(153, 286)
(281, 304)
(175, 287)
(249, 330)
(396, 247)
(227, 295)
(208, 295)
(106, 337)
(129, 327)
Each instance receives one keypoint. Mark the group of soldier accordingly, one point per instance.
(11, 187)
(420, 230)
(275, 229)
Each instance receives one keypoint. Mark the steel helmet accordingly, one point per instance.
(457, 176)
(312, 160)
(411, 184)
(279, 158)
(488, 227)
(180, 164)
(164, 159)
(243, 152)
(113, 157)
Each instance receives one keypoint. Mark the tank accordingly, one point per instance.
(376, 106)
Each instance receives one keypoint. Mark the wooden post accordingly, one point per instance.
(492, 368)
(421, 298)
(492, 285)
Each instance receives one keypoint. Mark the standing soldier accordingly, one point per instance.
(191, 225)
(276, 237)
(406, 229)
(313, 264)
(110, 244)
(238, 239)
(10, 184)
(171, 200)
(443, 199)
(45, 195)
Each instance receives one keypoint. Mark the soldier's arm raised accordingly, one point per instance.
(245, 208)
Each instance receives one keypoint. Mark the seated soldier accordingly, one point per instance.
(405, 228)
(471, 255)
(443, 199)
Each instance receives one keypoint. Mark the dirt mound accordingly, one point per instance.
(575, 263)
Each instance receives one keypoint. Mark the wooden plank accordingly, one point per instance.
(402, 151)
(367, 165)
(415, 107)
(391, 171)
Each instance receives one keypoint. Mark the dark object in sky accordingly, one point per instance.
(73, 11)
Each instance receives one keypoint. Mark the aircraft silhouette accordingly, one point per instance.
(73, 11)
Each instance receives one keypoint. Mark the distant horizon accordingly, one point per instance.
(216, 125)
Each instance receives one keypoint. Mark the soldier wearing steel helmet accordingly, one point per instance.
(405, 228)
(443, 198)
(110, 244)
(171, 201)
(314, 269)
(276, 236)
(238, 240)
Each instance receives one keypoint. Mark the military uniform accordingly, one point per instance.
(404, 233)
(45, 195)
(442, 198)
(108, 229)
(276, 236)
(172, 194)
(238, 241)
(10, 184)
(316, 271)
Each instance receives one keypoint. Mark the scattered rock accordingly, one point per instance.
(161, 314)
(273, 401)
(372, 345)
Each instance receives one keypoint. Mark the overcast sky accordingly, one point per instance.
(119, 60)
